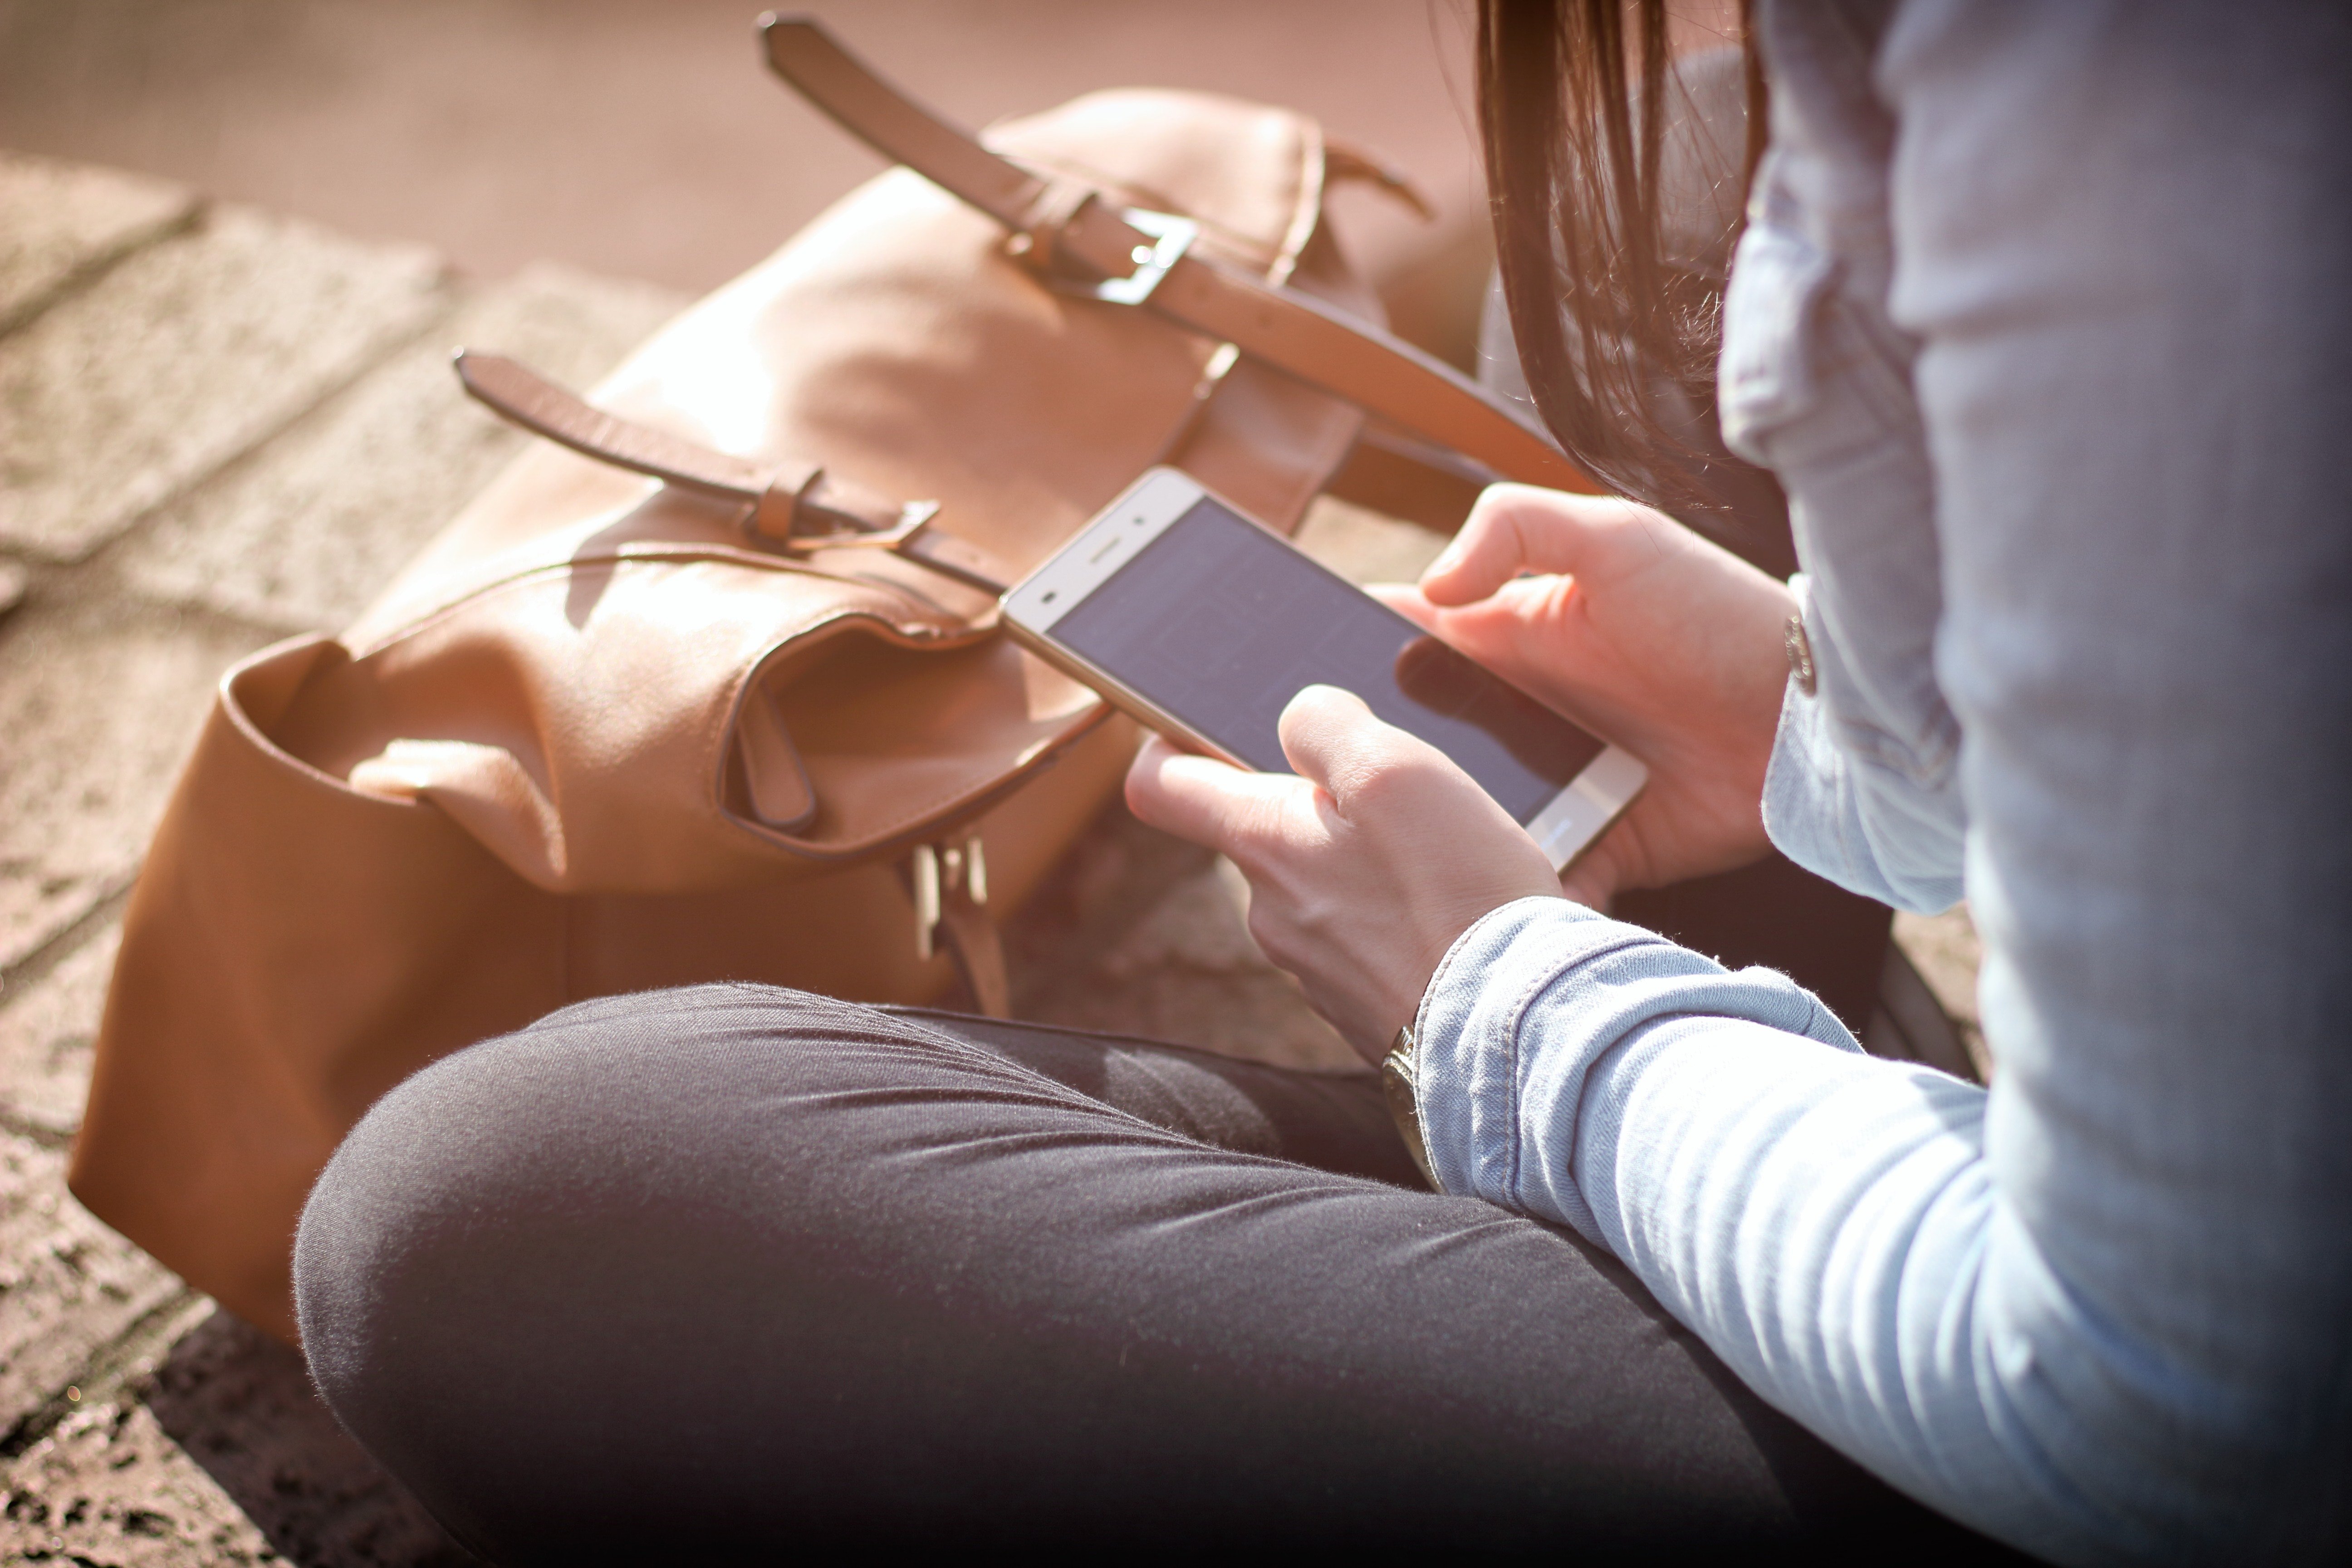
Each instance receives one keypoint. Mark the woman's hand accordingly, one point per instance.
(1363, 868)
(1663, 642)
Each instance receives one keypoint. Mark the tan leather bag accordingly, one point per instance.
(690, 706)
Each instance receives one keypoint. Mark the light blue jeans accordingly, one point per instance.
(2041, 317)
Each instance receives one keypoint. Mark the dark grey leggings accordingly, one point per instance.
(735, 1270)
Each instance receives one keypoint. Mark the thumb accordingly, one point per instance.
(1204, 800)
(1334, 740)
(1407, 601)
(1516, 529)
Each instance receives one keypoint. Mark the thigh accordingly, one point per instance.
(1334, 1122)
(735, 1268)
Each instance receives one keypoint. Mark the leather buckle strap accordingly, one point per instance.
(1290, 331)
(1040, 243)
(795, 506)
(521, 396)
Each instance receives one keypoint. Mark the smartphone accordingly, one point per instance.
(1204, 624)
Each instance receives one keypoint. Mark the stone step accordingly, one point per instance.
(110, 1486)
(59, 223)
(69, 1286)
(305, 533)
(99, 704)
(184, 356)
(47, 1022)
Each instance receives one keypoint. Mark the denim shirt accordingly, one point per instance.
(2041, 317)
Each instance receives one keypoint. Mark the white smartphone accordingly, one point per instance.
(1205, 625)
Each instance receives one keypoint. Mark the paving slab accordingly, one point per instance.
(241, 1407)
(1189, 972)
(99, 704)
(302, 535)
(47, 1027)
(69, 1286)
(110, 1486)
(183, 357)
(60, 222)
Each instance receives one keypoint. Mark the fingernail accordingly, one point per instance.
(1448, 558)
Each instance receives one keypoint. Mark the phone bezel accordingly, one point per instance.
(1567, 823)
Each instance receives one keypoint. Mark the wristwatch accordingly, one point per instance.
(1397, 1083)
(1799, 650)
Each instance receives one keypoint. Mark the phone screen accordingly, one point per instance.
(1222, 624)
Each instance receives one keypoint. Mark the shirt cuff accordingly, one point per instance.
(1869, 830)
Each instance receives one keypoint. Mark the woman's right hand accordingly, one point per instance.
(1666, 644)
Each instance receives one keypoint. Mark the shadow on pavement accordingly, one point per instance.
(242, 1407)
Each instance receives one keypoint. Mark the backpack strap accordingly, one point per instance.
(1141, 258)
(794, 506)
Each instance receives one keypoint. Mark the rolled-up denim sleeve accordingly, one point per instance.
(1517, 1032)
(2105, 1310)
(1821, 1217)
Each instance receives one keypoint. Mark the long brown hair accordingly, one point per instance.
(1572, 103)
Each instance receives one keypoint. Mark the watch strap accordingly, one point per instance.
(1399, 1083)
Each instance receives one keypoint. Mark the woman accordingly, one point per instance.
(2038, 317)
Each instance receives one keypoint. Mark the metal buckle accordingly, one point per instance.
(1174, 236)
(941, 871)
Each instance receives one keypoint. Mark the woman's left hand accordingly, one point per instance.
(1363, 868)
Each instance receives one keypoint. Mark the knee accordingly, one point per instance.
(393, 1205)
(506, 1143)
(529, 1186)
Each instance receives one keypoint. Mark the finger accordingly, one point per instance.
(1591, 885)
(1407, 601)
(1518, 528)
(1202, 799)
(1516, 630)
(1318, 728)
(1512, 631)
(1334, 740)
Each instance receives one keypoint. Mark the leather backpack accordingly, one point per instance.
(709, 685)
